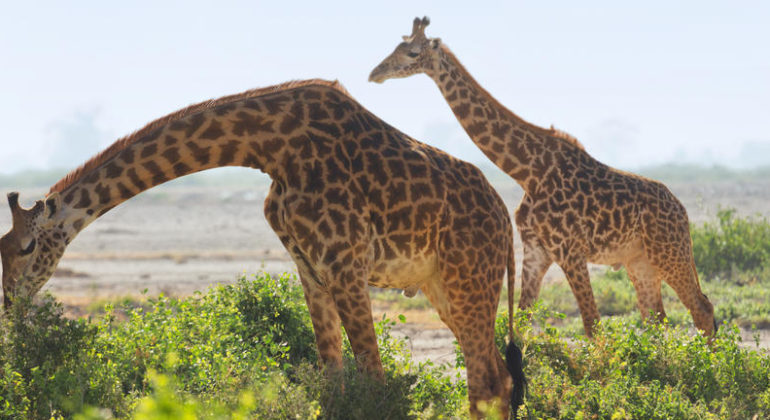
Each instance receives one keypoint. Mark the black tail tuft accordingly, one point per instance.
(513, 358)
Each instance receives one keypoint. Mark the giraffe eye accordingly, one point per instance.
(28, 250)
(412, 54)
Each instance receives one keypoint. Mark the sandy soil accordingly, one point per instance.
(180, 239)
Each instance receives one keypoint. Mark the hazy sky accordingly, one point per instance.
(638, 83)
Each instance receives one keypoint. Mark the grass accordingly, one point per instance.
(732, 255)
(745, 301)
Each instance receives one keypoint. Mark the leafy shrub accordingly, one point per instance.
(246, 351)
(224, 339)
(238, 351)
(731, 245)
(49, 366)
(639, 370)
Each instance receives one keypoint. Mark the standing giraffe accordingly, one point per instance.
(353, 200)
(575, 209)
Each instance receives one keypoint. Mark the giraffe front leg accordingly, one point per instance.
(326, 322)
(576, 270)
(536, 263)
(536, 257)
(351, 297)
(681, 276)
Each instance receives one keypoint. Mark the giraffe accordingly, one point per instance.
(575, 209)
(353, 200)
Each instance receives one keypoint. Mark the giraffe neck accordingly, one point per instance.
(250, 132)
(510, 142)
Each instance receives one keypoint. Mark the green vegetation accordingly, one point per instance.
(247, 351)
(731, 246)
(733, 259)
(239, 351)
(632, 370)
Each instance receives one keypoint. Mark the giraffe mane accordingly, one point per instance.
(124, 142)
(551, 132)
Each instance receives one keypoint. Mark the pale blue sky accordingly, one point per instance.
(638, 83)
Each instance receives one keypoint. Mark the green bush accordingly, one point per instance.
(222, 340)
(731, 245)
(238, 351)
(49, 365)
(639, 370)
(246, 351)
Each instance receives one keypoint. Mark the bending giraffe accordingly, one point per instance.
(575, 209)
(354, 201)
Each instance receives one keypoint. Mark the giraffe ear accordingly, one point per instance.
(435, 42)
(52, 204)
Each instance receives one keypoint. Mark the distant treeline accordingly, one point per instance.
(669, 172)
(677, 172)
(674, 173)
(237, 177)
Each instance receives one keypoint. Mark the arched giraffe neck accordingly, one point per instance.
(253, 129)
(512, 143)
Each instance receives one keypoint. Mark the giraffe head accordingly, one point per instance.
(32, 248)
(416, 54)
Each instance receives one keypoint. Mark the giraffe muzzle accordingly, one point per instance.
(378, 74)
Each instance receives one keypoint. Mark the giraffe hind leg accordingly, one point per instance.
(473, 326)
(668, 248)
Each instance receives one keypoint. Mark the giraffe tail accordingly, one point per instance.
(513, 355)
